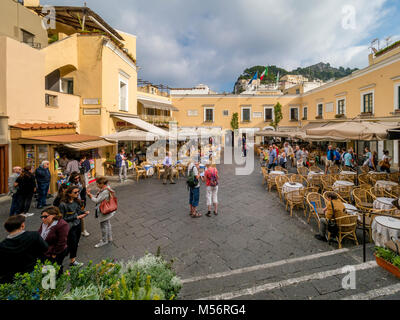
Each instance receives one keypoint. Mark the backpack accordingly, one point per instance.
(191, 180)
(213, 179)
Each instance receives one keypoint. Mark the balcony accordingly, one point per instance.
(157, 119)
(35, 45)
(51, 100)
(60, 107)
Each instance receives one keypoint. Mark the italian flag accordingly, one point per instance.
(264, 73)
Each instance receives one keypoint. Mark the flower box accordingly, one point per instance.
(338, 116)
(387, 266)
(318, 117)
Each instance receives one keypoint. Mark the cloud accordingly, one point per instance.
(182, 43)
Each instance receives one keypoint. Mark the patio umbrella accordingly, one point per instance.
(353, 130)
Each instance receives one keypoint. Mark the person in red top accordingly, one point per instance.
(276, 148)
(211, 177)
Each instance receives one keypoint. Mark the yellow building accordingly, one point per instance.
(371, 94)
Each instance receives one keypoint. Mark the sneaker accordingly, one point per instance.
(85, 233)
(76, 264)
(100, 244)
(320, 238)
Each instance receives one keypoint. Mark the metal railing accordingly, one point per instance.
(51, 100)
(156, 118)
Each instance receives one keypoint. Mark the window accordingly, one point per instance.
(368, 102)
(27, 37)
(294, 114)
(209, 115)
(123, 95)
(246, 114)
(67, 86)
(225, 113)
(341, 106)
(397, 96)
(268, 114)
(297, 91)
(305, 111)
(320, 109)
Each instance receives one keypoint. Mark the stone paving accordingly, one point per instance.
(252, 228)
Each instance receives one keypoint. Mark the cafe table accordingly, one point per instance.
(385, 229)
(386, 184)
(383, 203)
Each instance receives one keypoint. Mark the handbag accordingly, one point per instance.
(110, 205)
(332, 225)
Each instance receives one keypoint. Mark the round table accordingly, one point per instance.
(347, 173)
(384, 228)
(288, 187)
(314, 173)
(149, 169)
(386, 184)
(276, 173)
(342, 183)
(350, 209)
(374, 172)
(383, 203)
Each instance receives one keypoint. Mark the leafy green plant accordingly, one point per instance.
(235, 121)
(277, 115)
(385, 254)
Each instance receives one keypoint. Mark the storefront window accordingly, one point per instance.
(30, 155)
(43, 153)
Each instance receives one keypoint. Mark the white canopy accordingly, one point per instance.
(132, 135)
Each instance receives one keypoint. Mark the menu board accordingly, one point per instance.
(30, 155)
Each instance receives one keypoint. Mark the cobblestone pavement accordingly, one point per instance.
(252, 229)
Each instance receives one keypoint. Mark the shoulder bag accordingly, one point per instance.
(110, 205)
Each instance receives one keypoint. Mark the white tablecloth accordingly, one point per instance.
(342, 183)
(384, 228)
(348, 173)
(374, 172)
(287, 187)
(383, 203)
(385, 184)
(350, 209)
(313, 173)
(276, 173)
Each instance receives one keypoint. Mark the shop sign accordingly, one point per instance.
(91, 101)
(96, 111)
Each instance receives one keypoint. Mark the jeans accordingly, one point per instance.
(271, 166)
(122, 171)
(14, 205)
(43, 188)
(74, 236)
(194, 197)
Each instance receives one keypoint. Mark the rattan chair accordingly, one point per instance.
(315, 181)
(363, 178)
(333, 169)
(365, 169)
(271, 182)
(316, 211)
(363, 199)
(394, 176)
(347, 229)
(160, 170)
(377, 192)
(303, 171)
(294, 199)
(299, 179)
(365, 186)
(140, 173)
(280, 181)
(264, 171)
(315, 169)
(344, 192)
(395, 191)
(338, 195)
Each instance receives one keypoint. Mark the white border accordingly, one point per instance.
(373, 100)
(337, 105)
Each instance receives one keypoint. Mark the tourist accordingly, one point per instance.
(298, 156)
(43, 178)
(305, 157)
(26, 187)
(289, 151)
(21, 249)
(168, 170)
(276, 149)
(342, 154)
(85, 169)
(265, 158)
(282, 160)
(211, 177)
(104, 219)
(367, 157)
(348, 158)
(272, 158)
(121, 162)
(373, 163)
(12, 190)
(71, 208)
(72, 166)
(334, 209)
(54, 230)
(76, 180)
(60, 194)
(385, 162)
(194, 191)
(330, 158)
(63, 162)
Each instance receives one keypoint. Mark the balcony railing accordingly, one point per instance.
(51, 100)
(157, 119)
(35, 45)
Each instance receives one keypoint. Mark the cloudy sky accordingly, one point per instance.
(182, 43)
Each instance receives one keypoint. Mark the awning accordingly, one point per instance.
(354, 130)
(132, 135)
(144, 125)
(89, 145)
(151, 104)
(271, 133)
(394, 134)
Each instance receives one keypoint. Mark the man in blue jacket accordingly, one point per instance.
(330, 158)
(43, 177)
(122, 164)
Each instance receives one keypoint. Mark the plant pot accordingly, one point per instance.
(387, 266)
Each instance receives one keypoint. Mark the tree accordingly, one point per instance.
(235, 121)
(277, 115)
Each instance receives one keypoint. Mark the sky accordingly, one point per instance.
(182, 43)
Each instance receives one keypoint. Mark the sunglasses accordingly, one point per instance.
(43, 217)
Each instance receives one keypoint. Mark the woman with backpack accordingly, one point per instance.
(104, 193)
(211, 176)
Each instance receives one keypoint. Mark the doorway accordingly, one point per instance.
(3, 169)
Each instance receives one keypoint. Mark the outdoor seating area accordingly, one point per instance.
(371, 194)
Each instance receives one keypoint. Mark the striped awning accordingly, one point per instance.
(89, 145)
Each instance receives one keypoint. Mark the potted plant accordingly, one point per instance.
(388, 260)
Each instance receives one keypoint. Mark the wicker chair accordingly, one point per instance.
(333, 169)
(394, 176)
(315, 169)
(315, 211)
(303, 171)
(347, 228)
(140, 173)
(363, 178)
(395, 191)
(338, 195)
(363, 199)
(271, 182)
(315, 181)
(365, 169)
(280, 181)
(344, 192)
(347, 168)
(375, 177)
(264, 171)
(160, 170)
(377, 192)
(300, 179)
(294, 199)
(365, 186)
